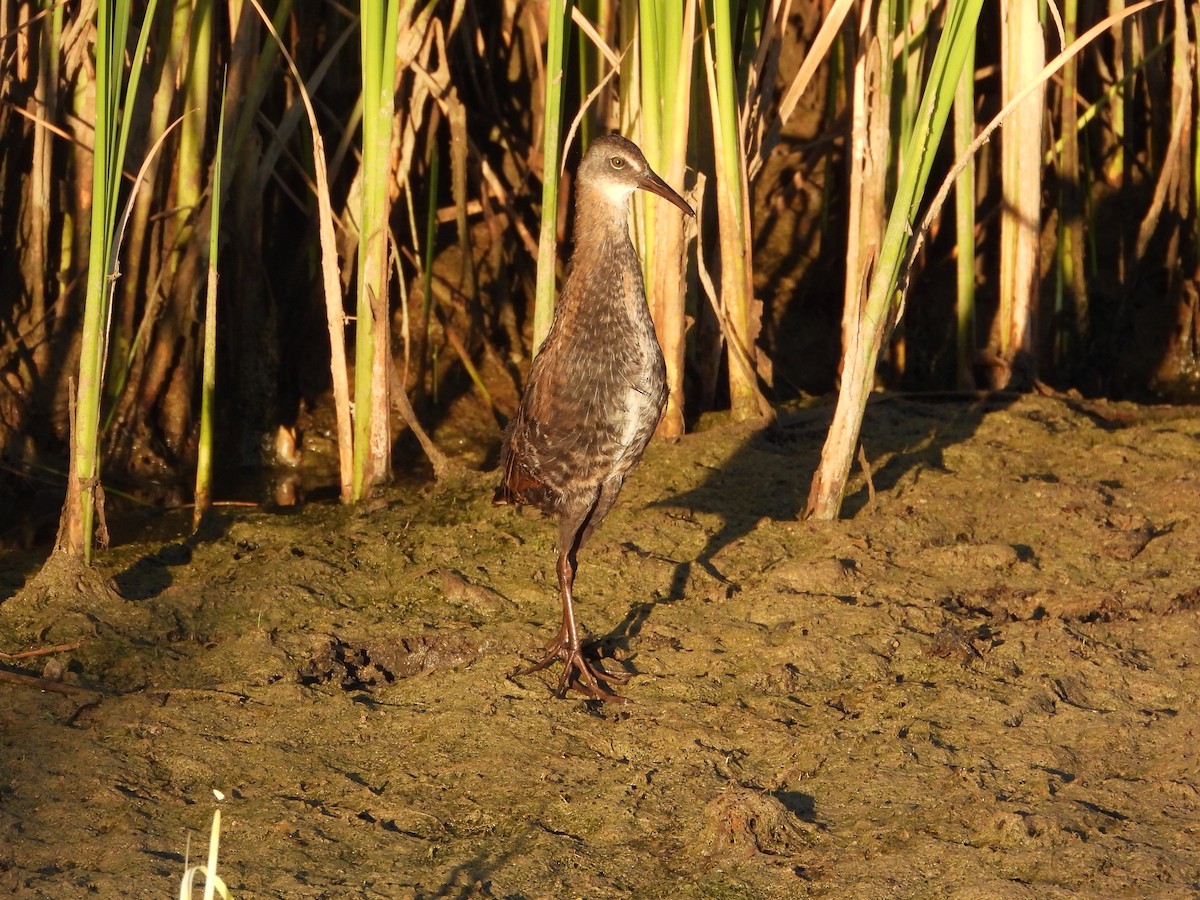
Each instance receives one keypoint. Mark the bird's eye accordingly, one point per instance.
(617, 162)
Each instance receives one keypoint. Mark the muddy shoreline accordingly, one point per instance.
(981, 682)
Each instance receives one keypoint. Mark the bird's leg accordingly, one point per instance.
(566, 645)
(576, 667)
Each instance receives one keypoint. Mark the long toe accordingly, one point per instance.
(600, 672)
(591, 680)
(552, 657)
(557, 649)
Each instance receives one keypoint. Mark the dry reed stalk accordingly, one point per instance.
(1023, 53)
(1173, 186)
(142, 290)
(666, 248)
(870, 144)
(819, 52)
(36, 262)
(964, 227)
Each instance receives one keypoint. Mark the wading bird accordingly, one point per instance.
(596, 390)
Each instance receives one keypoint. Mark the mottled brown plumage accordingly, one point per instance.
(596, 390)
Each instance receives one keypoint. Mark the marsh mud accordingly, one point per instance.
(981, 682)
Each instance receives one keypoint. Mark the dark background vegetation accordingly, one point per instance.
(1127, 327)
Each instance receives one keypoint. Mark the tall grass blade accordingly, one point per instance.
(666, 37)
(547, 270)
(732, 187)
(111, 138)
(208, 379)
(964, 225)
(372, 436)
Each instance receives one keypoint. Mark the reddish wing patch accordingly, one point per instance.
(522, 487)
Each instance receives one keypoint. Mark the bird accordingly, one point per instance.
(595, 393)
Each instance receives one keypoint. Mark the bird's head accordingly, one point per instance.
(614, 168)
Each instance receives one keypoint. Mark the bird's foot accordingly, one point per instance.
(590, 679)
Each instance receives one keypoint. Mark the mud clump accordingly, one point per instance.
(358, 666)
(741, 823)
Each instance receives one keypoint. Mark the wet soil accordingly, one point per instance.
(982, 682)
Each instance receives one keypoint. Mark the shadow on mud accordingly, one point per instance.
(901, 436)
(149, 576)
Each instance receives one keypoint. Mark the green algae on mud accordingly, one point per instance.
(982, 682)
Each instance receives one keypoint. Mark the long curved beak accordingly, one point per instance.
(655, 185)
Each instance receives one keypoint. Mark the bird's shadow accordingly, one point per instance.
(769, 476)
(151, 574)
